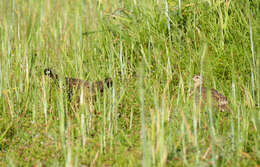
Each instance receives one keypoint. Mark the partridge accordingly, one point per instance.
(74, 86)
(202, 95)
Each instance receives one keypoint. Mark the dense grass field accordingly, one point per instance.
(151, 49)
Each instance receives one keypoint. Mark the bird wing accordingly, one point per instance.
(220, 98)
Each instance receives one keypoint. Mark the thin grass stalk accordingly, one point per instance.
(61, 114)
(155, 130)
(1, 82)
(179, 5)
(167, 17)
(105, 120)
(131, 118)
(122, 64)
(239, 130)
(253, 72)
(45, 103)
(212, 132)
(68, 145)
(231, 117)
(34, 113)
(163, 148)
(146, 162)
(195, 129)
(204, 51)
(83, 129)
(114, 110)
(183, 136)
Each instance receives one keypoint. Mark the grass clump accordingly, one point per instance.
(151, 49)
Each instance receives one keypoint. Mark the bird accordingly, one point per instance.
(74, 86)
(202, 95)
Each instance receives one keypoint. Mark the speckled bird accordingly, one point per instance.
(201, 93)
(74, 86)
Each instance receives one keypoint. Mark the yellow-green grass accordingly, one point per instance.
(151, 49)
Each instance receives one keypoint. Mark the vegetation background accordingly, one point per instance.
(151, 49)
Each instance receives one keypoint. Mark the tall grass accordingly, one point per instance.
(151, 49)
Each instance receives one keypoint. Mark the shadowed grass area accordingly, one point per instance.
(151, 50)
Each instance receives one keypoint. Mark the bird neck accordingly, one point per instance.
(197, 84)
(54, 76)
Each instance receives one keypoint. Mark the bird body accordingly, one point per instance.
(202, 95)
(75, 87)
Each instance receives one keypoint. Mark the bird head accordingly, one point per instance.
(197, 80)
(49, 73)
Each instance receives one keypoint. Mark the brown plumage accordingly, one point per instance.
(218, 99)
(74, 86)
